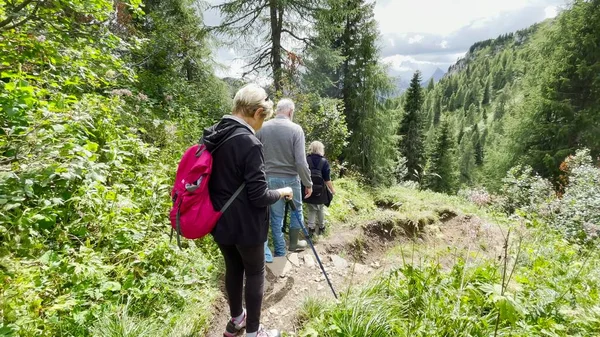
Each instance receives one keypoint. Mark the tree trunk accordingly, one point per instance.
(276, 9)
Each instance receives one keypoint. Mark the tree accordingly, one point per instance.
(411, 130)
(343, 63)
(564, 106)
(486, 94)
(437, 110)
(245, 21)
(477, 146)
(440, 171)
(430, 85)
(175, 59)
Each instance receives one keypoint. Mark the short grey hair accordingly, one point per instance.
(251, 97)
(285, 105)
(316, 147)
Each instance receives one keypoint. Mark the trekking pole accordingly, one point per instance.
(293, 207)
(285, 218)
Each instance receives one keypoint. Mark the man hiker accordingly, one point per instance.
(285, 166)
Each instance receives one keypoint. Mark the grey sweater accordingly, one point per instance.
(284, 144)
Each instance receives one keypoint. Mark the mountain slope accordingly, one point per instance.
(530, 97)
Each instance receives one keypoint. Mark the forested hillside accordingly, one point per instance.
(525, 98)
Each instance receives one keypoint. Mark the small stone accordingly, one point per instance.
(272, 311)
(361, 269)
(293, 258)
(287, 268)
(338, 262)
(320, 287)
(309, 261)
(375, 264)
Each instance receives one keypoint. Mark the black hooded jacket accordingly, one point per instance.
(236, 161)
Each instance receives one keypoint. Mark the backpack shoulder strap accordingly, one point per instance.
(310, 163)
(321, 164)
(235, 134)
(232, 198)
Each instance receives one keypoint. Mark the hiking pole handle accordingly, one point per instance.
(312, 246)
(290, 202)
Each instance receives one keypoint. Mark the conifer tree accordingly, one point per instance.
(430, 85)
(440, 171)
(411, 131)
(437, 110)
(477, 146)
(486, 95)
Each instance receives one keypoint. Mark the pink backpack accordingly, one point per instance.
(193, 215)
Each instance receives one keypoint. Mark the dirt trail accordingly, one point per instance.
(352, 257)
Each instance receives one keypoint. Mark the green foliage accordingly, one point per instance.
(525, 190)
(411, 130)
(577, 212)
(538, 93)
(322, 119)
(440, 171)
(545, 296)
(563, 111)
(342, 64)
(86, 167)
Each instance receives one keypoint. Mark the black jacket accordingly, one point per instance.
(238, 160)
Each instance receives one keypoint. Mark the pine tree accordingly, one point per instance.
(440, 171)
(565, 107)
(486, 95)
(411, 131)
(437, 110)
(477, 146)
(271, 22)
(343, 64)
(430, 85)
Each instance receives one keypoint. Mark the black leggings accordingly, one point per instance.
(251, 260)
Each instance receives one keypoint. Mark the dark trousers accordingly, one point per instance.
(251, 261)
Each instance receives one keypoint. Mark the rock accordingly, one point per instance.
(272, 311)
(287, 268)
(375, 264)
(320, 287)
(361, 269)
(338, 262)
(293, 258)
(309, 261)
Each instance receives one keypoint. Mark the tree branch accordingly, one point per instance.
(254, 14)
(14, 11)
(27, 18)
(303, 39)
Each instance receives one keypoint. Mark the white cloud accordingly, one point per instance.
(444, 44)
(551, 11)
(415, 39)
(441, 16)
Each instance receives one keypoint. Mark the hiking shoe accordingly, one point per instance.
(321, 230)
(233, 329)
(262, 332)
(296, 245)
(311, 232)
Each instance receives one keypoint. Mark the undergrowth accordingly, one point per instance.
(547, 287)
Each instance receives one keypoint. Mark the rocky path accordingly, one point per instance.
(351, 258)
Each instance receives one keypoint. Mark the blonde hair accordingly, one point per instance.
(316, 147)
(250, 98)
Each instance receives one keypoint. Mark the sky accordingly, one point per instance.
(427, 34)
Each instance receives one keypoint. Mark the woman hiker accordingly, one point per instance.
(242, 231)
(323, 189)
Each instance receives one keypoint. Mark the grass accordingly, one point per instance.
(544, 286)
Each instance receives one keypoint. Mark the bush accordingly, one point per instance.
(577, 213)
(478, 196)
(525, 190)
